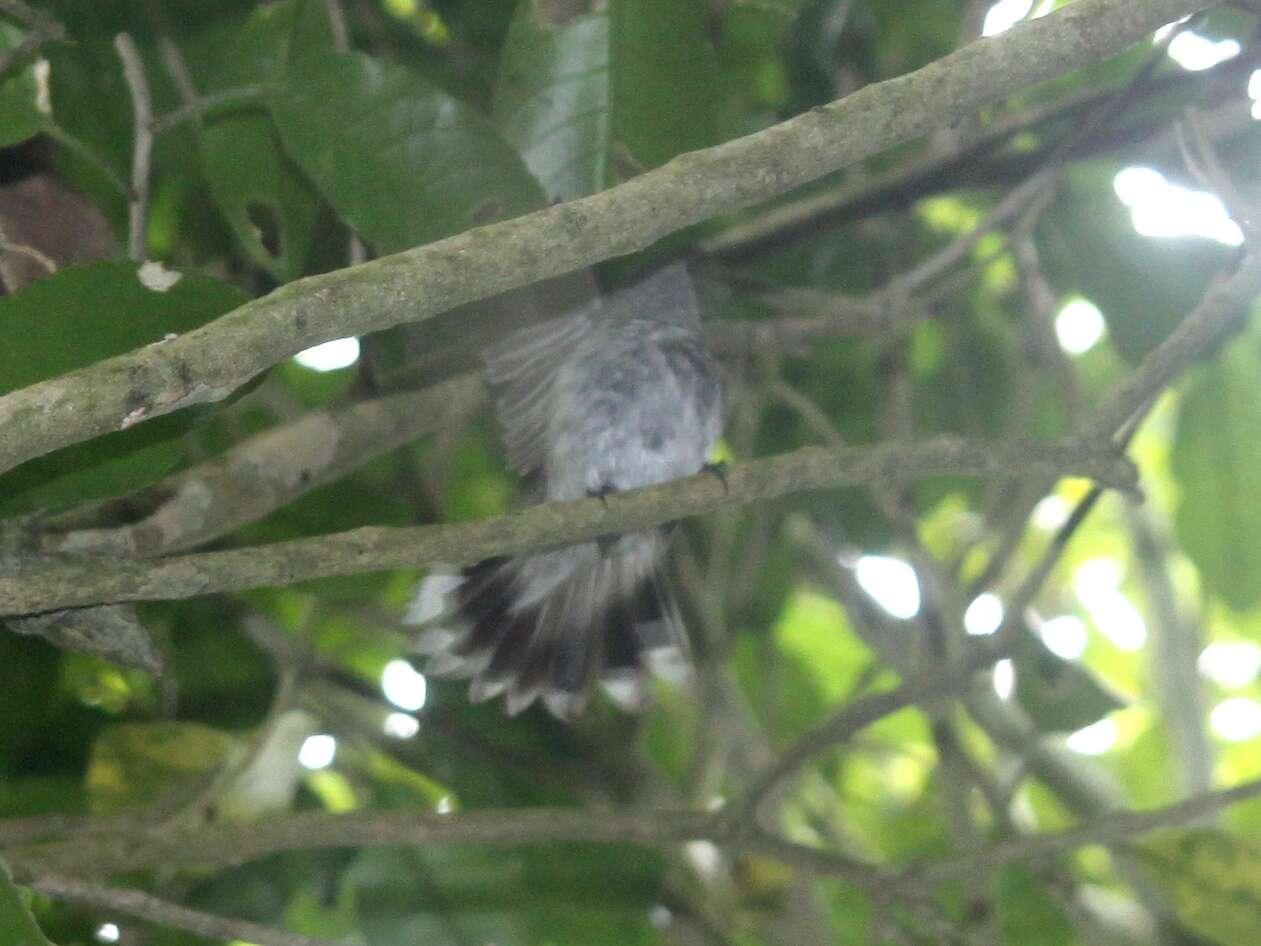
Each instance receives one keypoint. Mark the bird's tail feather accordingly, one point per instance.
(550, 626)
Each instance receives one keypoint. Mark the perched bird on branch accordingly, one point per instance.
(617, 395)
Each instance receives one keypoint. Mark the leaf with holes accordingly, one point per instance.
(269, 205)
(400, 160)
(592, 93)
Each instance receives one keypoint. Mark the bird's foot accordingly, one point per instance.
(602, 493)
(719, 470)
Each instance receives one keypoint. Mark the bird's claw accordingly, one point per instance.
(602, 493)
(719, 470)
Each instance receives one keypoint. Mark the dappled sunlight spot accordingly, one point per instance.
(1237, 719)
(400, 726)
(445, 805)
(1095, 739)
(903, 777)
(1005, 678)
(984, 615)
(704, 857)
(1118, 620)
(1097, 585)
(318, 751)
(330, 356)
(1064, 636)
(1079, 326)
(1231, 665)
(1195, 52)
(891, 583)
(1005, 14)
(403, 685)
(108, 933)
(1254, 93)
(1051, 512)
(1096, 576)
(1160, 208)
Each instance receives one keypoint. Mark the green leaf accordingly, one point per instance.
(807, 668)
(270, 207)
(137, 763)
(1212, 880)
(1217, 464)
(400, 160)
(79, 316)
(17, 926)
(593, 98)
(1059, 695)
(88, 313)
(20, 117)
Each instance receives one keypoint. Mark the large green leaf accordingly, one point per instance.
(270, 207)
(591, 93)
(82, 315)
(20, 116)
(401, 161)
(1212, 881)
(17, 926)
(1217, 464)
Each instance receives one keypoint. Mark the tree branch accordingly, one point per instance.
(142, 146)
(207, 364)
(976, 161)
(265, 472)
(1103, 830)
(97, 579)
(1221, 306)
(156, 910)
(224, 845)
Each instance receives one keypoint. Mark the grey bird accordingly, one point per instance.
(618, 395)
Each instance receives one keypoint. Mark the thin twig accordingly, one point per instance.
(864, 711)
(142, 146)
(204, 105)
(153, 909)
(1216, 313)
(1011, 206)
(356, 250)
(1201, 158)
(337, 23)
(1107, 829)
(42, 30)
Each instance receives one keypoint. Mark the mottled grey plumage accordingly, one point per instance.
(619, 395)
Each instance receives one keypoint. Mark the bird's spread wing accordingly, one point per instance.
(520, 368)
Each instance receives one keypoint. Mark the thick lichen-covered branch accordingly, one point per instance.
(207, 364)
(264, 472)
(99, 579)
